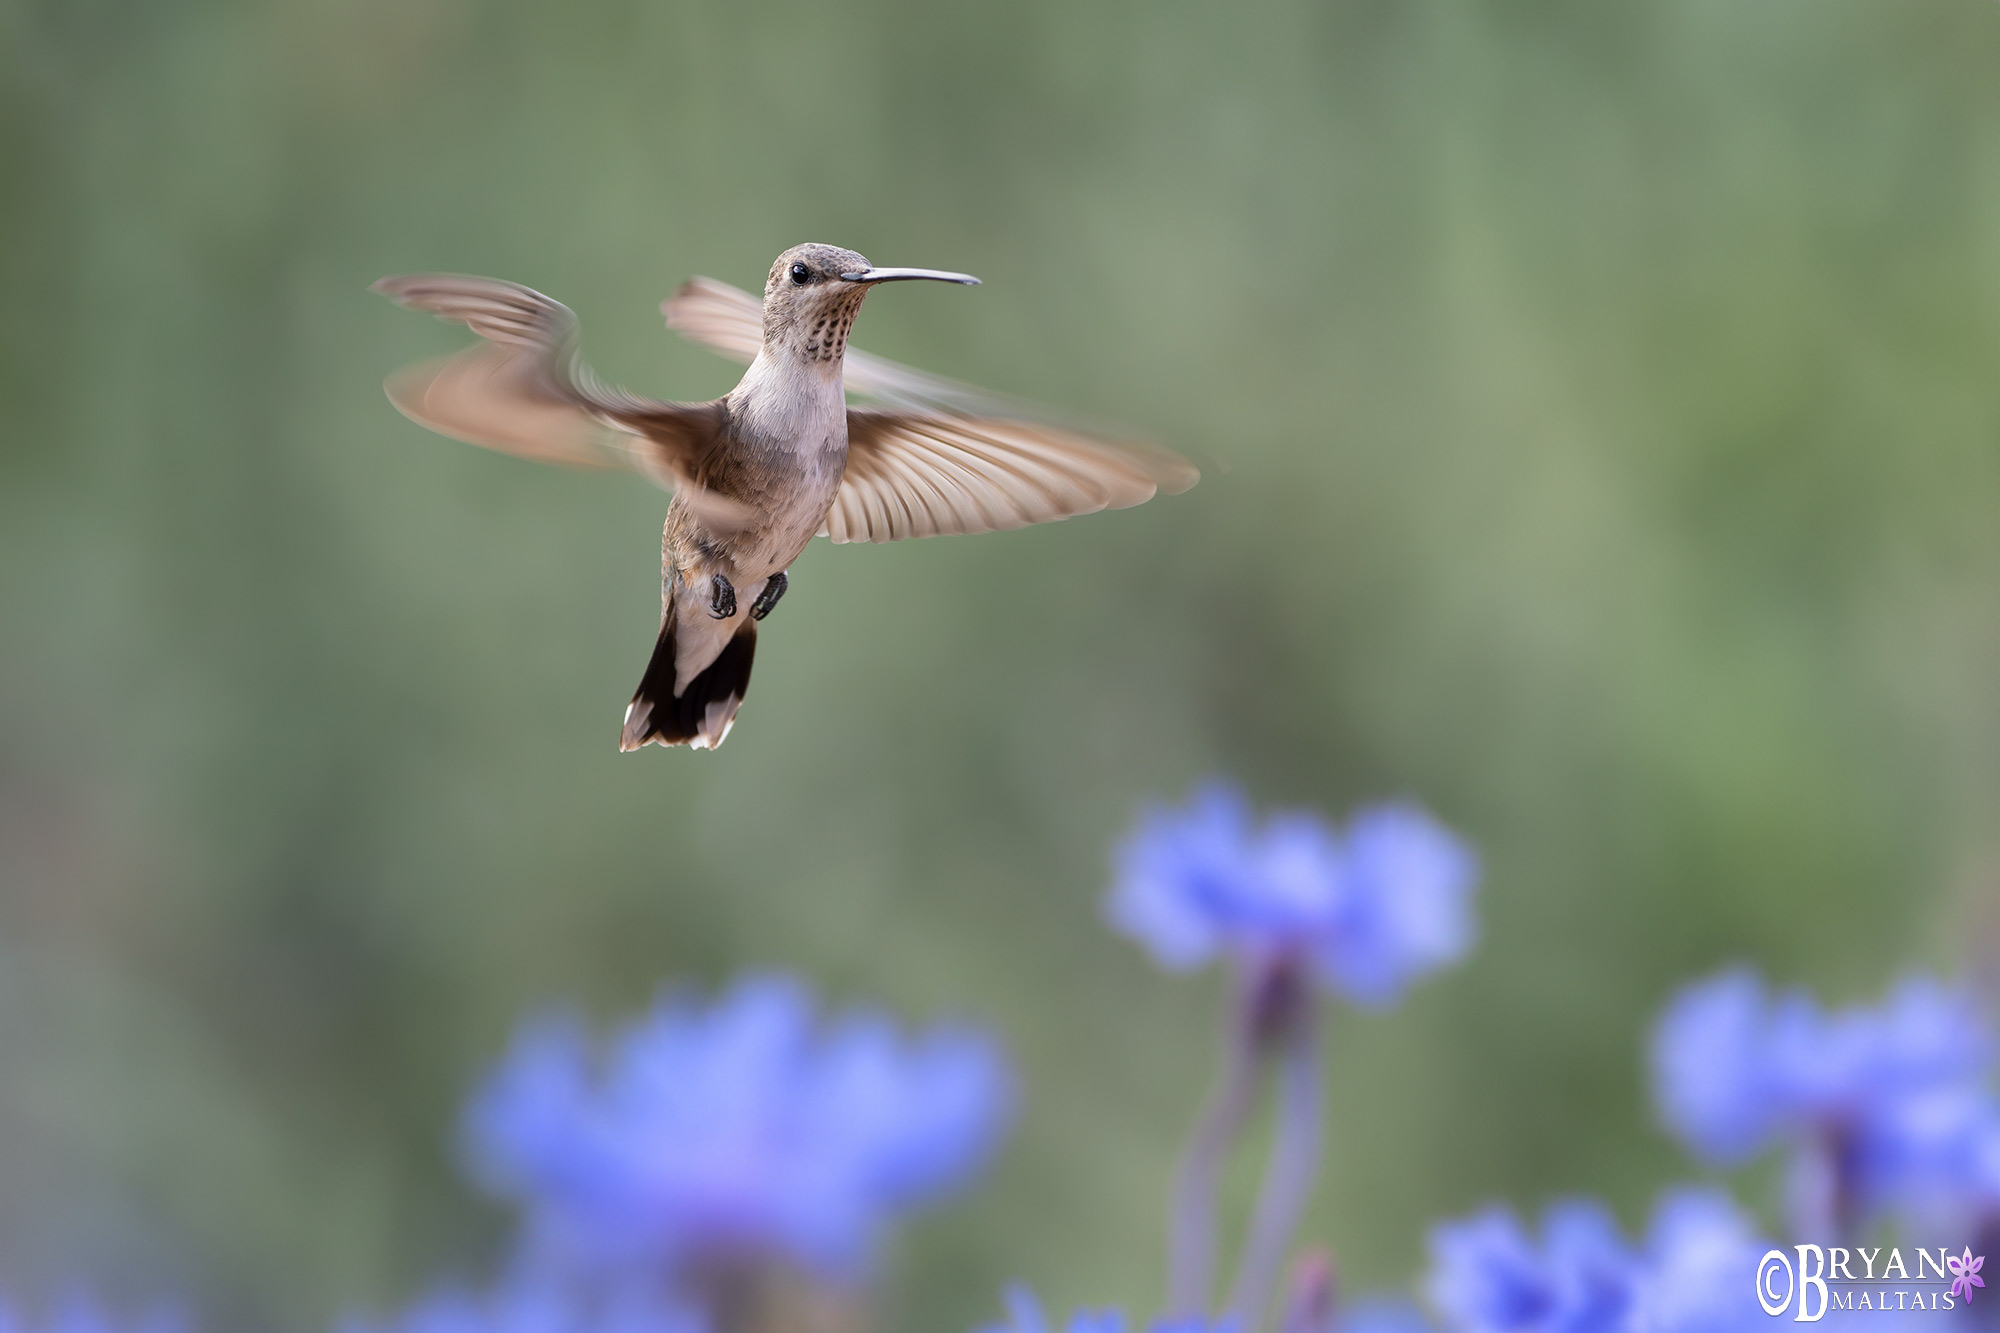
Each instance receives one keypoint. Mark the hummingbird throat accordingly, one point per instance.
(819, 334)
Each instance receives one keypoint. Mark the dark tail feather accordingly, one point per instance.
(703, 714)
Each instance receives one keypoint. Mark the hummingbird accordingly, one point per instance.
(757, 473)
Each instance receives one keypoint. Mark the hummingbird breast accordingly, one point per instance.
(793, 488)
(782, 454)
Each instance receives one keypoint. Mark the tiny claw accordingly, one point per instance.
(767, 600)
(721, 598)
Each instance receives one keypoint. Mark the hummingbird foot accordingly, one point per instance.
(767, 600)
(721, 598)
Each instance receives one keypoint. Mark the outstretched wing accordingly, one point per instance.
(941, 456)
(922, 474)
(525, 391)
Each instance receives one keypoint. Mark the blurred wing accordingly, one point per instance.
(525, 391)
(721, 318)
(921, 474)
(730, 321)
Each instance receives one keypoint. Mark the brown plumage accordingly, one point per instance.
(757, 473)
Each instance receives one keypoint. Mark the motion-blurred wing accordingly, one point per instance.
(525, 391)
(730, 321)
(921, 474)
(721, 318)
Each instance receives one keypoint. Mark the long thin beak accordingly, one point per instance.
(906, 274)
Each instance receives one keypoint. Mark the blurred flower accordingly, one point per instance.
(1370, 909)
(1024, 1315)
(1712, 1073)
(742, 1130)
(1407, 906)
(1699, 1269)
(81, 1314)
(529, 1306)
(1889, 1104)
(1487, 1273)
(1695, 1274)
(1299, 906)
(1189, 882)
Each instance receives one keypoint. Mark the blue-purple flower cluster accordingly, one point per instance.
(743, 1128)
(1886, 1108)
(1370, 907)
(1299, 906)
(707, 1148)
(1694, 1273)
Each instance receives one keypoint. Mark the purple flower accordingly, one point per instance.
(1488, 1275)
(1698, 1271)
(1371, 908)
(740, 1130)
(1695, 1273)
(1889, 1104)
(1190, 883)
(526, 1305)
(1407, 905)
(1713, 1077)
(1024, 1315)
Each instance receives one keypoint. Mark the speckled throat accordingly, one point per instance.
(824, 336)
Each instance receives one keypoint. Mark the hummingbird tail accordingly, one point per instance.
(701, 715)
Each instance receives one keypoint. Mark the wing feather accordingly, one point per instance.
(720, 317)
(524, 390)
(919, 474)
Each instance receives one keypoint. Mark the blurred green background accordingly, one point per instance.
(1601, 413)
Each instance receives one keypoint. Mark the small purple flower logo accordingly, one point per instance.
(1965, 1273)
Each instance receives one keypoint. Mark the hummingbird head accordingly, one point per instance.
(815, 291)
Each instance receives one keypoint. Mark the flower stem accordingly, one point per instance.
(1820, 1196)
(1289, 1174)
(1191, 1227)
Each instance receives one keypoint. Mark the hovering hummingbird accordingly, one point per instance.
(758, 473)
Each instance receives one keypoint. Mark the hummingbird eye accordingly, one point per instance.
(801, 275)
